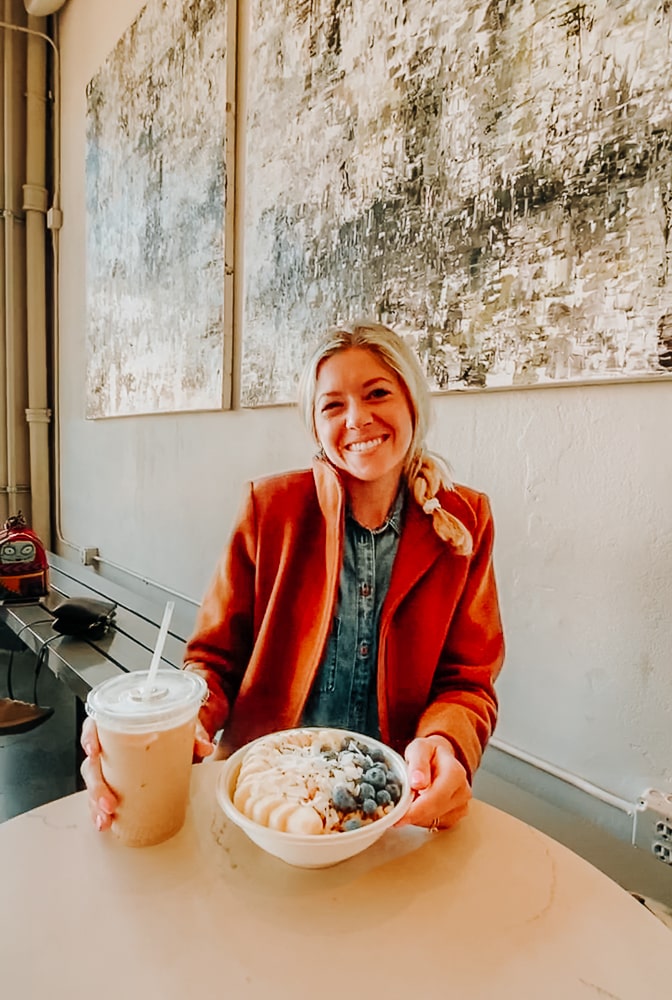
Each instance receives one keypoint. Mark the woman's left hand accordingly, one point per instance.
(440, 786)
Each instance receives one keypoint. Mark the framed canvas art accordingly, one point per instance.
(494, 180)
(158, 327)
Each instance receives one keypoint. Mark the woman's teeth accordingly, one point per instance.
(365, 445)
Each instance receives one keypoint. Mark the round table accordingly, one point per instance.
(491, 909)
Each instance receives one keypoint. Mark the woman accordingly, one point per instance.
(358, 594)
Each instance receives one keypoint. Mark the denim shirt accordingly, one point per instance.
(344, 690)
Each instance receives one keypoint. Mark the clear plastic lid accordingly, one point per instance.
(125, 703)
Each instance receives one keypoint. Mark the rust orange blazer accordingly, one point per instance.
(265, 619)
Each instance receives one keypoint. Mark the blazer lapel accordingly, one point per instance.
(419, 548)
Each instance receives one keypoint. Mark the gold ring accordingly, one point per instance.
(434, 828)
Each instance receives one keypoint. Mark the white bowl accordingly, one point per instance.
(310, 850)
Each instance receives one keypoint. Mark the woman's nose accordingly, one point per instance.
(357, 414)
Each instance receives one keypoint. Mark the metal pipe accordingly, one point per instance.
(4, 438)
(144, 579)
(570, 779)
(35, 197)
(54, 222)
(10, 318)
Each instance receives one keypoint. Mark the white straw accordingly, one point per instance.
(158, 649)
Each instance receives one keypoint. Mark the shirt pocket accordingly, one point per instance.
(326, 682)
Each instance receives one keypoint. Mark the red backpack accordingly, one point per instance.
(24, 568)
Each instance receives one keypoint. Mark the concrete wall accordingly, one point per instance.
(580, 480)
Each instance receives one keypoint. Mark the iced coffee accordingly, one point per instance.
(147, 741)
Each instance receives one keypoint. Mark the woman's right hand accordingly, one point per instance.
(102, 800)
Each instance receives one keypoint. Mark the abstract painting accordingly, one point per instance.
(493, 178)
(155, 199)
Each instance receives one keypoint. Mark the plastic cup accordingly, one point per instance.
(147, 743)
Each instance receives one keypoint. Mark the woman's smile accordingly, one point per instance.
(369, 445)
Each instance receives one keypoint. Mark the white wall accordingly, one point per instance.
(580, 480)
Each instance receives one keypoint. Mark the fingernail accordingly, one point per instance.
(417, 778)
(99, 823)
(105, 805)
(88, 749)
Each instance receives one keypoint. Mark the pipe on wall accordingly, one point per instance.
(24, 367)
(55, 221)
(4, 437)
(601, 794)
(13, 332)
(35, 202)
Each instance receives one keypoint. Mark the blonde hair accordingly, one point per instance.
(424, 472)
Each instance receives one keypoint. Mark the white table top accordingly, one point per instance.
(491, 909)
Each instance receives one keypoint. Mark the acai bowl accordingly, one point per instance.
(314, 796)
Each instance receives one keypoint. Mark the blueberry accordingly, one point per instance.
(376, 776)
(378, 756)
(383, 797)
(369, 807)
(352, 824)
(343, 798)
(366, 791)
(394, 790)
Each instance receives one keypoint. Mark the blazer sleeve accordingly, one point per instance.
(221, 644)
(463, 703)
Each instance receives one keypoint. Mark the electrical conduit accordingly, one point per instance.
(35, 197)
(12, 331)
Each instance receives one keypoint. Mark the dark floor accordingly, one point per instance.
(37, 766)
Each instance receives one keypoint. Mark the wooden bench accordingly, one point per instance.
(128, 645)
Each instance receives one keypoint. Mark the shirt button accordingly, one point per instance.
(364, 649)
(365, 590)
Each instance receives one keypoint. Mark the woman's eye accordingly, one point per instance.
(333, 405)
(379, 393)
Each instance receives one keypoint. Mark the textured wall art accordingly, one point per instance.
(155, 190)
(494, 179)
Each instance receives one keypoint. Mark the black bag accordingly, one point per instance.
(83, 617)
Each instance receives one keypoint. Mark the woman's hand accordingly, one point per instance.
(102, 800)
(203, 745)
(439, 782)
